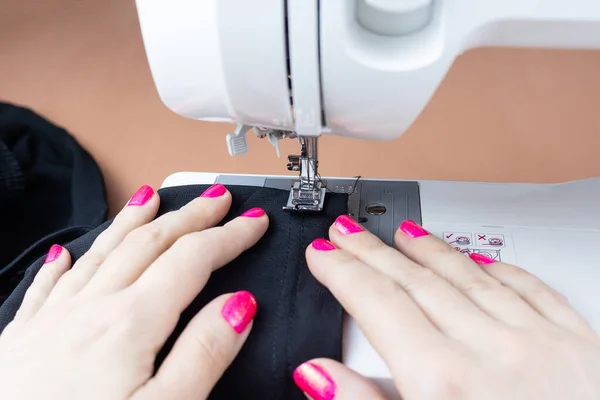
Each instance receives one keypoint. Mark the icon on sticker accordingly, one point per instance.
(463, 241)
(495, 241)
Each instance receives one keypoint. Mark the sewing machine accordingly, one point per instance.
(299, 69)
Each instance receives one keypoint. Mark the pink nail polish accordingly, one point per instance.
(412, 229)
(323, 245)
(314, 381)
(216, 190)
(239, 310)
(142, 196)
(254, 213)
(53, 253)
(347, 226)
(481, 259)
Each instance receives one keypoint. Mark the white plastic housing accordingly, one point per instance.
(374, 86)
(223, 60)
(352, 73)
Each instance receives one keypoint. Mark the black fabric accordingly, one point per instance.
(51, 191)
(298, 319)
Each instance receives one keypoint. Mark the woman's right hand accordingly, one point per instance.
(449, 327)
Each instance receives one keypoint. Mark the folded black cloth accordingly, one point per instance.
(51, 191)
(297, 319)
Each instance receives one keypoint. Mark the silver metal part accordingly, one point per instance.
(274, 136)
(401, 199)
(307, 194)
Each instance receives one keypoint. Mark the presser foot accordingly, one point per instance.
(310, 200)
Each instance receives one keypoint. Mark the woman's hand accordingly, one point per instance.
(93, 331)
(449, 327)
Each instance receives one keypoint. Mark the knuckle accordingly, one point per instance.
(444, 251)
(441, 254)
(90, 258)
(442, 382)
(419, 280)
(536, 289)
(517, 273)
(147, 234)
(42, 278)
(210, 348)
(476, 284)
(371, 243)
(517, 349)
(192, 244)
(189, 241)
(236, 237)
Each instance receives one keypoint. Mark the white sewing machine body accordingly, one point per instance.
(552, 231)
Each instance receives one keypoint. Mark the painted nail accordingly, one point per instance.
(314, 381)
(346, 225)
(412, 229)
(142, 196)
(53, 253)
(323, 245)
(481, 259)
(254, 213)
(216, 190)
(239, 310)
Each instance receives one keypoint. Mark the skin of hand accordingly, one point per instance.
(93, 331)
(448, 326)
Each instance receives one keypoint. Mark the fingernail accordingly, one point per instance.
(53, 253)
(346, 225)
(314, 381)
(142, 196)
(216, 190)
(322, 245)
(481, 259)
(239, 310)
(254, 213)
(412, 229)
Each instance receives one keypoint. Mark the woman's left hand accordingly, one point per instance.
(93, 331)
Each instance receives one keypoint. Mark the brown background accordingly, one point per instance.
(501, 115)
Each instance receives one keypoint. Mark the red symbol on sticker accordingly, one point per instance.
(481, 237)
(449, 236)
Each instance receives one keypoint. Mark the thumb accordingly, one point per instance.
(325, 379)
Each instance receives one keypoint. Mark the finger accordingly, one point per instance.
(443, 304)
(176, 278)
(57, 262)
(204, 350)
(140, 209)
(483, 290)
(142, 246)
(392, 322)
(548, 302)
(324, 379)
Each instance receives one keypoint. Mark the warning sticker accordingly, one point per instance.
(496, 244)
